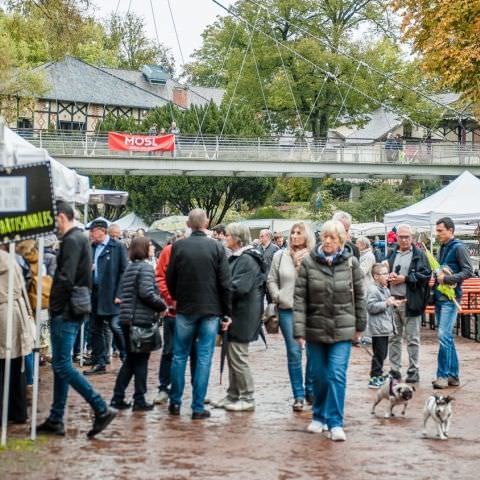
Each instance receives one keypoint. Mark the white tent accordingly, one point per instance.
(131, 222)
(458, 200)
(67, 184)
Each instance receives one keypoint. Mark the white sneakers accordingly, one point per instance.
(240, 406)
(336, 434)
(317, 427)
(162, 397)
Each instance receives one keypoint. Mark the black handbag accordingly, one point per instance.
(143, 338)
(81, 301)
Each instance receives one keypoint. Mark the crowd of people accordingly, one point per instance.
(328, 295)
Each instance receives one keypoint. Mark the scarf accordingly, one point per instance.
(297, 257)
(328, 258)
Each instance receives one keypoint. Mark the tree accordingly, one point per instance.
(127, 35)
(18, 83)
(447, 35)
(263, 65)
(50, 29)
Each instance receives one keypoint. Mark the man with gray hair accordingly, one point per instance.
(346, 220)
(267, 247)
(409, 276)
(199, 280)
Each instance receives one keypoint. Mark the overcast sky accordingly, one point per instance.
(191, 17)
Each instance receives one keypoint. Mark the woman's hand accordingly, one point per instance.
(301, 342)
(357, 337)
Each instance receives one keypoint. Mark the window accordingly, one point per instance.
(65, 125)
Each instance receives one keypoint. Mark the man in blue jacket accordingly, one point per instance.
(455, 267)
(109, 263)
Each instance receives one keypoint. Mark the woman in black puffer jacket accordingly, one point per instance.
(140, 306)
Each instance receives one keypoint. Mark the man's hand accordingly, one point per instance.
(397, 279)
(117, 301)
(301, 342)
(441, 277)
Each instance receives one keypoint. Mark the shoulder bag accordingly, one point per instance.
(272, 323)
(143, 339)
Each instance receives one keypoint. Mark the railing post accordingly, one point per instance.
(86, 144)
(258, 148)
(41, 145)
(217, 147)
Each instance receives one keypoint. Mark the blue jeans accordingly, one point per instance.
(187, 328)
(294, 357)
(29, 368)
(446, 316)
(329, 367)
(63, 334)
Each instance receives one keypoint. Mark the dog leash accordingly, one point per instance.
(365, 349)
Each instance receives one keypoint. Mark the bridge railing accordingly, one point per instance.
(282, 148)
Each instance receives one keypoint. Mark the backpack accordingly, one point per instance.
(47, 281)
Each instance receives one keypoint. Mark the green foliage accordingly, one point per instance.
(267, 212)
(375, 202)
(128, 37)
(292, 93)
(240, 120)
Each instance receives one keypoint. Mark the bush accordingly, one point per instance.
(267, 212)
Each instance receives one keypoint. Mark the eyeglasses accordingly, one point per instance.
(407, 237)
(382, 274)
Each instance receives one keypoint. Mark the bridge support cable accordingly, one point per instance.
(372, 68)
(262, 89)
(317, 97)
(183, 63)
(217, 78)
(323, 70)
(299, 117)
(232, 97)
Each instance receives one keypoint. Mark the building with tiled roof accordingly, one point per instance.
(79, 95)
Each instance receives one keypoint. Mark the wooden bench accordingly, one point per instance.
(468, 321)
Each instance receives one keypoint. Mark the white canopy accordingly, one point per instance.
(67, 184)
(131, 222)
(458, 200)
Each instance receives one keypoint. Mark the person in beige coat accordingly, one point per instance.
(23, 338)
(281, 285)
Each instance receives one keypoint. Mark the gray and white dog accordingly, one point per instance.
(397, 392)
(439, 408)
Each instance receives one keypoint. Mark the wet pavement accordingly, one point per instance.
(270, 443)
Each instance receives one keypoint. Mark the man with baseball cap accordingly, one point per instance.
(109, 263)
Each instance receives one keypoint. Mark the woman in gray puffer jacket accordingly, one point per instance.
(140, 306)
(330, 311)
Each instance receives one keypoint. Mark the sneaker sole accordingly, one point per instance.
(92, 434)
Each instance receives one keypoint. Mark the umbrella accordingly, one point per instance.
(223, 351)
(160, 237)
(175, 222)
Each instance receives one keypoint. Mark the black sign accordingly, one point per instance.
(27, 208)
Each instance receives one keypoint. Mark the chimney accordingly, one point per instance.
(180, 96)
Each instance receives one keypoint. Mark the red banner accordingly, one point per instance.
(141, 143)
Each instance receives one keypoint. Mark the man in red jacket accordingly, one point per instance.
(168, 327)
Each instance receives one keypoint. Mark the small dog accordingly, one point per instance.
(438, 407)
(397, 392)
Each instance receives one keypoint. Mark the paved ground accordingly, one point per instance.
(270, 443)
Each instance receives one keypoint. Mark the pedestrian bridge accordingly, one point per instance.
(88, 153)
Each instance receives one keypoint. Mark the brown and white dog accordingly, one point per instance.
(439, 408)
(396, 392)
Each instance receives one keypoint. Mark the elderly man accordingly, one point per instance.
(346, 220)
(409, 276)
(267, 247)
(199, 280)
(114, 231)
(455, 268)
(109, 263)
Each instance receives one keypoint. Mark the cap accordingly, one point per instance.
(98, 223)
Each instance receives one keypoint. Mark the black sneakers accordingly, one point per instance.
(200, 415)
(101, 421)
(142, 407)
(96, 370)
(174, 410)
(120, 404)
(51, 428)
